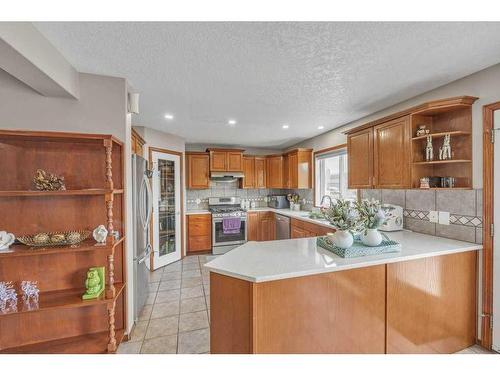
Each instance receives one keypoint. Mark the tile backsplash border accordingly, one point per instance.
(465, 208)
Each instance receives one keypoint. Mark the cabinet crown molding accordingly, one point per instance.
(427, 108)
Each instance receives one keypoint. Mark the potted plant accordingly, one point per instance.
(371, 216)
(345, 218)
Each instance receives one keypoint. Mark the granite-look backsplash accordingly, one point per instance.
(465, 208)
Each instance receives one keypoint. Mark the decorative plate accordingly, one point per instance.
(55, 238)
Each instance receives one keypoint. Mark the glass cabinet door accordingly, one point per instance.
(166, 209)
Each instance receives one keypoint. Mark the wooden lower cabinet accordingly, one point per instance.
(267, 224)
(302, 229)
(253, 226)
(337, 312)
(296, 232)
(260, 226)
(199, 233)
(431, 304)
(419, 306)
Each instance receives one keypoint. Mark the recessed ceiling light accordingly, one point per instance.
(286, 126)
(168, 116)
(231, 122)
(321, 127)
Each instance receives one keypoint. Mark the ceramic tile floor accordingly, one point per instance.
(176, 316)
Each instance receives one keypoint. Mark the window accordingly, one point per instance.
(330, 169)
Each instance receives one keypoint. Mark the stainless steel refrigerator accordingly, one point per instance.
(142, 209)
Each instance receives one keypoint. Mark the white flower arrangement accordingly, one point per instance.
(372, 215)
(344, 216)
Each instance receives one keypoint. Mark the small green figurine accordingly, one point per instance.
(94, 283)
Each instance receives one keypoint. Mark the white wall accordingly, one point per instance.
(101, 107)
(30, 57)
(484, 84)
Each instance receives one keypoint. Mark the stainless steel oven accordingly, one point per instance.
(222, 209)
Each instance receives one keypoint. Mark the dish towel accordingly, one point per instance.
(231, 225)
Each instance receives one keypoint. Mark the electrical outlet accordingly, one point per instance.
(433, 216)
(444, 218)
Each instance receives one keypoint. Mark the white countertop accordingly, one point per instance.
(283, 259)
(197, 212)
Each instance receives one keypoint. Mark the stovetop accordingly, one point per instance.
(227, 211)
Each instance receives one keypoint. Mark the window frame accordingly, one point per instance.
(324, 151)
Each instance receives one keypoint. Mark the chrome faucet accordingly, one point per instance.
(323, 199)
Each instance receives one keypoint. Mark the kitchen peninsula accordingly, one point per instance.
(291, 296)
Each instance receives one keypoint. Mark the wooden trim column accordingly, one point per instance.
(488, 205)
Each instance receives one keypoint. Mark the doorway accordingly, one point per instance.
(167, 225)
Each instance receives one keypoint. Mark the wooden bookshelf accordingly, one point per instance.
(92, 165)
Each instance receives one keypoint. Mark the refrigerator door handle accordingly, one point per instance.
(150, 202)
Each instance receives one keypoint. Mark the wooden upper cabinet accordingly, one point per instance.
(137, 143)
(197, 170)
(226, 160)
(387, 153)
(299, 169)
(275, 172)
(234, 161)
(286, 172)
(248, 181)
(391, 150)
(218, 161)
(260, 173)
(360, 159)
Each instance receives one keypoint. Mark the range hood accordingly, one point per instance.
(226, 176)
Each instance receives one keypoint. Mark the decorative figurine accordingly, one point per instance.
(100, 233)
(6, 239)
(421, 130)
(30, 290)
(94, 283)
(47, 181)
(424, 183)
(8, 297)
(429, 151)
(445, 154)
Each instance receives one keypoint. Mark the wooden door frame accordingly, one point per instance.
(181, 166)
(488, 205)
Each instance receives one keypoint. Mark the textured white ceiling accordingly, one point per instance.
(268, 74)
